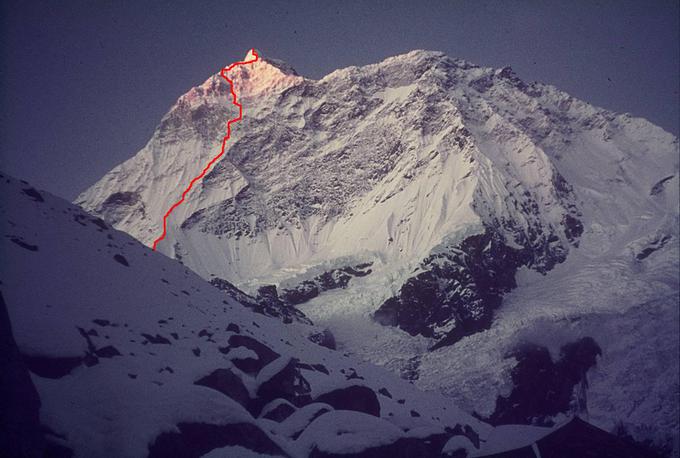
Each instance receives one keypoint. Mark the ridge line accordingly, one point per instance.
(223, 74)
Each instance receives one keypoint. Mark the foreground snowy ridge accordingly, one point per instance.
(133, 354)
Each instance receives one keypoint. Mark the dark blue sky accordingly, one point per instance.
(84, 84)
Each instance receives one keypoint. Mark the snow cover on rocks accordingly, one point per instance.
(146, 332)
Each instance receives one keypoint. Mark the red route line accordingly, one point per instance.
(223, 74)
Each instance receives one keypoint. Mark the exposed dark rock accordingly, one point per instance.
(20, 433)
(543, 388)
(233, 328)
(314, 367)
(410, 371)
(332, 279)
(23, 244)
(196, 439)
(107, 352)
(659, 186)
(51, 366)
(459, 453)
(286, 384)
(227, 218)
(353, 375)
(232, 290)
(573, 228)
(33, 194)
(227, 383)
(119, 258)
(645, 446)
(90, 359)
(579, 438)
(457, 290)
(283, 410)
(157, 339)
(267, 302)
(268, 299)
(122, 198)
(303, 292)
(653, 246)
(318, 409)
(324, 338)
(471, 434)
(268, 294)
(572, 225)
(56, 450)
(321, 368)
(482, 84)
(91, 349)
(385, 392)
(99, 222)
(250, 365)
(465, 430)
(265, 353)
(101, 322)
(80, 219)
(357, 397)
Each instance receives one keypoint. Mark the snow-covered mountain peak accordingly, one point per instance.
(265, 76)
(251, 55)
(416, 188)
(283, 66)
(403, 68)
(401, 154)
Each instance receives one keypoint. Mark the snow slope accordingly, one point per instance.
(133, 354)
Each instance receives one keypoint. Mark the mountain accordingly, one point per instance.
(498, 240)
(111, 349)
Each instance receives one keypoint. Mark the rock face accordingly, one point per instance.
(19, 401)
(228, 383)
(331, 279)
(266, 303)
(544, 388)
(357, 398)
(456, 292)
